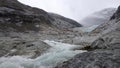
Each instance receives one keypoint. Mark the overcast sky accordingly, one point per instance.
(74, 9)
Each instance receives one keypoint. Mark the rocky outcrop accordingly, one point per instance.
(63, 22)
(117, 14)
(22, 44)
(104, 52)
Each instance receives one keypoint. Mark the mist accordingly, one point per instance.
(74, 9)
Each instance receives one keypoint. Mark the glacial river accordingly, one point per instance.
(58, 53)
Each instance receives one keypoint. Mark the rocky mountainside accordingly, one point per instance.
(27, 32)
(23, 29)
(15, 16)
(104, 52)
(99, 17)
(62, 22)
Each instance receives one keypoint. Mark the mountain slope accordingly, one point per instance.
(15, 16)
(99, 17)
(103, 52)
(63, 22)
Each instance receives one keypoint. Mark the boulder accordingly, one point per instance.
(24, 47)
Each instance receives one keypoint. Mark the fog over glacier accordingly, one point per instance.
(74, 9)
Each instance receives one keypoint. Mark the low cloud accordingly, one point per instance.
(74, 9)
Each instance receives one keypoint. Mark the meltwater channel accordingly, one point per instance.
(58, 53)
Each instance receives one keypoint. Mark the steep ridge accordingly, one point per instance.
(15, 16)
(102, 53)
(62, 22)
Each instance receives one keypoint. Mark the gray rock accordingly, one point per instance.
(22, 45)
(63, 22)
(104, 52)
(108, 41)
(94, 59)
(109, 35)
(20, 17)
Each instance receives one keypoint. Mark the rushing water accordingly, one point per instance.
(58, 53)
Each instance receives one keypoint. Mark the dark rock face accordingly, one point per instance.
(117, 14)
(14, 15)
(63, 22)
(94, 59)
(105, 51)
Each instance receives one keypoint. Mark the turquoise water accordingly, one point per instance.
(59, 53)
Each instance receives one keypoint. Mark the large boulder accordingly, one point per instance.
(23, 45)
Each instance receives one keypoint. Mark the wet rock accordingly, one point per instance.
(94, 59)
(31, 48)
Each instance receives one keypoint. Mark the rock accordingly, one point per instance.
(94, 59)
(103, 52)
(23, 27)
(15, 16)
(84, 40)
(109, 35)
(23, 46)
(63, 22)
(20, 17)
(108, 41)
(117, 14)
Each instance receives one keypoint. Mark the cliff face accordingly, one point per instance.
(104, 52)
(117, 14)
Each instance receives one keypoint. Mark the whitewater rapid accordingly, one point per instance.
(58, 53)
